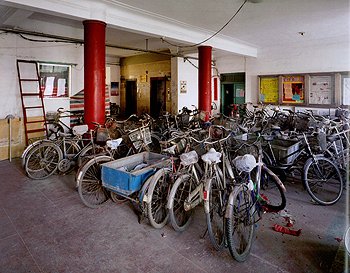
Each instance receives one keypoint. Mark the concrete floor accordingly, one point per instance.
(44, 227)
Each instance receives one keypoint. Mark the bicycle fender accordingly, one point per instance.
(206, 192)
(229, 207)
(274, 176)
(27, 150)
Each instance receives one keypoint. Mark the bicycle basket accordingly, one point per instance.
(318, 142)
(51, 116)
(102, 134)
(136, 138)
(142, 134)
(146, 135)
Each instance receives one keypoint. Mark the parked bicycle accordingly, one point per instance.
(320, 176)
(63, 154)
(260, 189)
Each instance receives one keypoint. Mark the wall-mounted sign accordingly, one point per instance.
(114, 88)
(183, 86)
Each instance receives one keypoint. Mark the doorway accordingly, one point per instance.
(232, 91)
(130, 98)
(157, 97)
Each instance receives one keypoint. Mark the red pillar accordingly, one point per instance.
(204, 79)
(94, 71)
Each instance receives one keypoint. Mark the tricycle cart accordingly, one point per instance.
(130, 177)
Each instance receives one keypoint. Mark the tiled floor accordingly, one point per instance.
(44, 227)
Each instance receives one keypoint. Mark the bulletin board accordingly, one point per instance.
(293, 89)
(345, 89)
(269, 90)
(321, 90)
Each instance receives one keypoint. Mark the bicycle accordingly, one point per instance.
(249, 200)
(163, 179)
(188, 190)
(56, 126)
(320, 176)
(63, 154)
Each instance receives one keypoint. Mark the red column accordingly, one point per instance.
(94, 71)
(204, 79)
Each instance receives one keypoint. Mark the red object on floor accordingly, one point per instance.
(286, 230)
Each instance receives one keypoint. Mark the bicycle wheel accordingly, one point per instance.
(215, 213)
(67, 164)
(271, 191)
(240, 225)
(180, 219)
(323, 180)
(158, 197)
(89, 180)
(27, 150)
(42, 161)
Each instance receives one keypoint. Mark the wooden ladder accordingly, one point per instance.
(32, 98)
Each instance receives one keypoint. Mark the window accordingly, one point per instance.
(55, 80)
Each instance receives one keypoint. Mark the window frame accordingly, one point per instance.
(54, 94)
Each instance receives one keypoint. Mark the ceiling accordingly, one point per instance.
(140, 24)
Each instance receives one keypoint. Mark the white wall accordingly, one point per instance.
(297, 58)
(13, 47)
(187, 72)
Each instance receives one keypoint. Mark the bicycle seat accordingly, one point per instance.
(211, 157)
(189, 158)
(80, 129)
(114, 143)
(245, 163)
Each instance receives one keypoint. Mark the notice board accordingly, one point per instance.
(269, 89)
(321, 90)
(293, 89)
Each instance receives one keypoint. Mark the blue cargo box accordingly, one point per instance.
(122, 176)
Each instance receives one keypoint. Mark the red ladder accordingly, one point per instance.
(32, 98)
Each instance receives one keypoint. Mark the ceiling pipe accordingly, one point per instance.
(79, 41)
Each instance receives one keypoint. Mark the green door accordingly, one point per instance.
(231, 93)
(239, 93)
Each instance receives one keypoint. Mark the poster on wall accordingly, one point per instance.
(114, 88)
(293, 89)
(346, 91)
(269, 90)
(321, 90)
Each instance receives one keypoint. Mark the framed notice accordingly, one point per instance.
(269, 90)
(114, 88)
(321, 90)
(293, 89)
(55, 80)
(345, 90)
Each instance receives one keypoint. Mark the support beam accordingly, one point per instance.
(204, 79)
(94, 71)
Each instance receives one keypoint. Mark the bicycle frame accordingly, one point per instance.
(254, 188)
